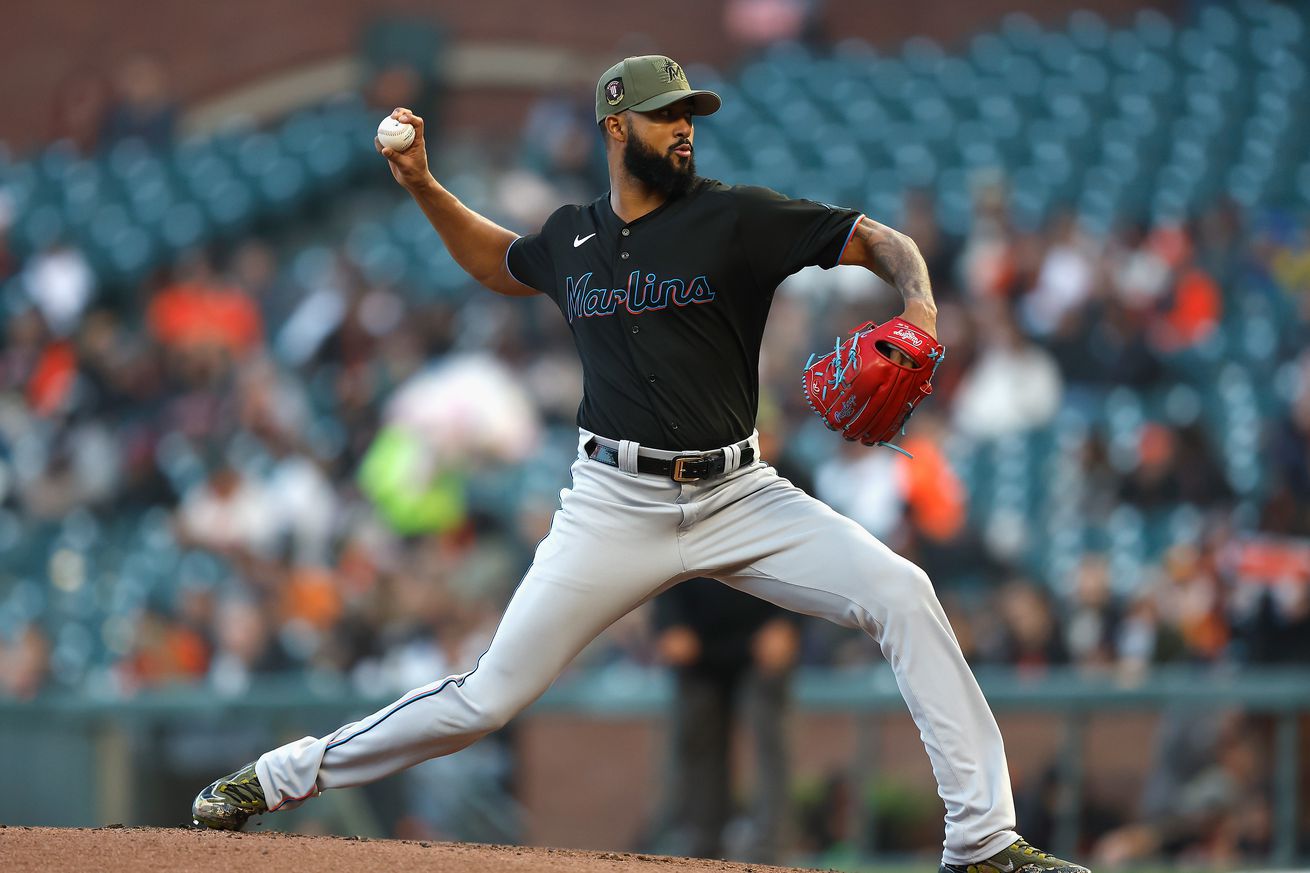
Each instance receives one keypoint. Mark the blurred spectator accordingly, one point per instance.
(731, 652)
(1092, 619)
(1201, 477)
(50, 390)
(255, 270)
(142, 106)
(228, 513)
(25, 337)
(1106, 344)
(77, 112)
(1288, 508)
(1145, 636)
(60, 282)
(403, 59)
(202, 312)
(1207, 801)
(939, 248)
(1192, 310)
(1013, 387)
(79, 467)
(1141, 274)
(1279, 630)
(988, 260)
(1029, 636)
(112, 370)
(1099, 478)
(1174, 467)
(245, 647)
(937, 533)
(305, 508)
(562, 152)
(934, 495)
(866, 486)
(757, 24)
(1220, 243)
(163, 652)
(8, 212)
(1191, 599)
(1064, 282)
(24, 663)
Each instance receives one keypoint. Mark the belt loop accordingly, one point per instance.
(628, 457)
(754, 441)
(731, 457)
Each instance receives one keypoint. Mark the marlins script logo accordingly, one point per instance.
(650, 295)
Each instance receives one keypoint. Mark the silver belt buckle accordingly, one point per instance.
(680, 462)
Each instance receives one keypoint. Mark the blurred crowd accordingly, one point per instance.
(96, 108)
(338, 479)
(262, 409)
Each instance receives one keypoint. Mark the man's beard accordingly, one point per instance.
(665, 173)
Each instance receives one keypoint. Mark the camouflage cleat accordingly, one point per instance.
(229, 802)
(1018, 858)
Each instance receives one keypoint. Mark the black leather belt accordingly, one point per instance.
(691, 467)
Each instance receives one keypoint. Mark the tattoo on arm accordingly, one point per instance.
(895, 259)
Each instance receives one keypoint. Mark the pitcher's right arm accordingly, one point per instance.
(476, 242)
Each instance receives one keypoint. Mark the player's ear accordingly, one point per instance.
(614, 128)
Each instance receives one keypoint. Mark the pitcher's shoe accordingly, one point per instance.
(227, 803)
(1018, 858)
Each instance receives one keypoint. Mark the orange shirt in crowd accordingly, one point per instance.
(933, 492)
(52, 377)
(311, 595)
(185, 314)
(1196, 310)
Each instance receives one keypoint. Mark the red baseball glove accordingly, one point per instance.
(865, 389)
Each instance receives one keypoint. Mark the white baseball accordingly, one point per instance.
(394, 134)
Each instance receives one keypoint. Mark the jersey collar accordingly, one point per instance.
(609, 216)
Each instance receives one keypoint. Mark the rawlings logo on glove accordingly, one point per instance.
(868, 386)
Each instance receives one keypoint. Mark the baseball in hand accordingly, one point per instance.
(395, 135)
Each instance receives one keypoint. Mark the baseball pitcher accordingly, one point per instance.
(665, 282)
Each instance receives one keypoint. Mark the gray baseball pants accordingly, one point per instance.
(618, 539)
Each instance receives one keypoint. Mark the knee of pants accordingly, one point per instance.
(905, 591)
(489, 717)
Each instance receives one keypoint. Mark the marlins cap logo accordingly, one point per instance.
(672, 72)
(614, 91)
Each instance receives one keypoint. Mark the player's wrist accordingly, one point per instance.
(423, 186)
(921, 306)
(921, 314)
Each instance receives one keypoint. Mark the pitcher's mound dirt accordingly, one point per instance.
(171, 850)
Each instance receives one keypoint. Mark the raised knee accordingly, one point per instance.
(910, 590)
(489, 717)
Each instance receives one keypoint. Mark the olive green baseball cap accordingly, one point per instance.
(648, 82)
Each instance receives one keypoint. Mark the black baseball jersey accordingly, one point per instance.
(668, 311)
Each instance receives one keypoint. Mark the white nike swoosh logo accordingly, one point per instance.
(579, 240)
(1008, 866)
